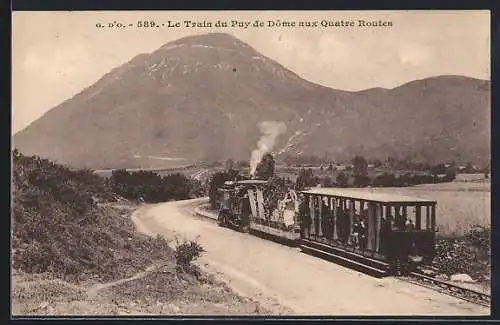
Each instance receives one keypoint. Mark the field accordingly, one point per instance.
(460, 204)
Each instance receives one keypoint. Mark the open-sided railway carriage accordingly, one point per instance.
(376, 232)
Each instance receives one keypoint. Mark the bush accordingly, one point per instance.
(470, 254)
(361, 180)
(450, 176)
(327, 182)
(342, 180)
(479, 237)
(384, 180)
(304, 179)
(186, 253)
(151, 187)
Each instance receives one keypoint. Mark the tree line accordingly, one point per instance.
(150, 187)
(390, 162)
(357, 176)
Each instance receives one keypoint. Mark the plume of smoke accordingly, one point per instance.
(270, 131)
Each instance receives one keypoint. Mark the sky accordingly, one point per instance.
(55, 55)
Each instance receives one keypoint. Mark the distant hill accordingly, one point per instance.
(202, 97)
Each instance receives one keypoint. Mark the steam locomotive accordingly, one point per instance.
(242, 206)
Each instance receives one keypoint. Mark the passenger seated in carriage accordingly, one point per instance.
(355, 230)
(409, 225)
(363, 233)
(385, 229)
(325, 221)
(399, 221)
(303, 217)
(343, 225)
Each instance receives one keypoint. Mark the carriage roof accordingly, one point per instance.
(252, 182)
(231, 186)
(367, 195)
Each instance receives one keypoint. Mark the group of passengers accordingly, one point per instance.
(400, 223)
(355, 234)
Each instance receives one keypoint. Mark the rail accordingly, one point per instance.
(470, 295)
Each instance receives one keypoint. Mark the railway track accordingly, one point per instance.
(450, 289)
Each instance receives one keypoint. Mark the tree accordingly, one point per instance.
(361, 180)
(360, 171)
(327, 182)
(304, 179)
(360, 166)
(469, 169)
(392, 162)
(176, 186)
(265, 169)
(450, 175)
(384, 180)
(341, 180)
(229, 164)
(438, 169)
(300, 182)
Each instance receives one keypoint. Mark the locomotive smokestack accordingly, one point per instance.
(271, 130)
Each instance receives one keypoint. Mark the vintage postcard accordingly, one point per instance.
(251, 163)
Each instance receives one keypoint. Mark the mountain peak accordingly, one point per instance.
(216, 40)
(202, 98)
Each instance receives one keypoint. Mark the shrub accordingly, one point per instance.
(265, 168)
(450, 175)
(304, 179)
(186, 253)
(479, 237)
(470, 254)
(327, 182)
(384, 180)
(342, 180)
(361, 180)
(151, 187)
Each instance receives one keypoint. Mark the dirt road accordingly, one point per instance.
(290, 282)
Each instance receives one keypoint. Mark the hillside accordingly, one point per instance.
(75, 251)
(202, 97)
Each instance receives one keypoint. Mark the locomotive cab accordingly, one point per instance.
(234, 209)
